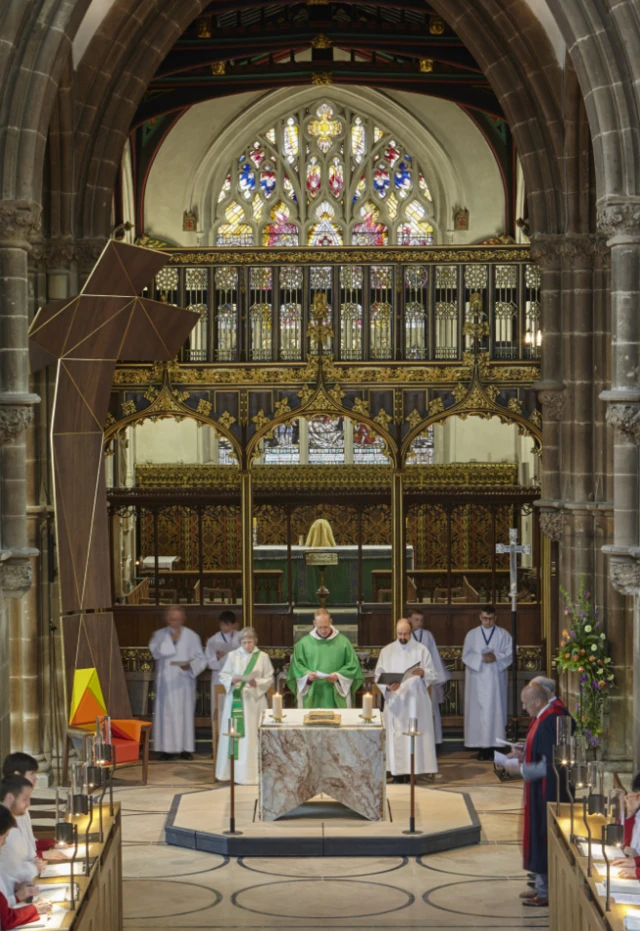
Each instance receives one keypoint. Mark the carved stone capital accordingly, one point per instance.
(19, 223)
(59, 253)
(618, 218)
(16, 413)
(624, 572)
(15, 578)
(552, 404)
(88, 251)
(551, 524)
(546, 250)
(625, 417)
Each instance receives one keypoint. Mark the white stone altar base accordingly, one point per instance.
(322, 827)
(299, 761)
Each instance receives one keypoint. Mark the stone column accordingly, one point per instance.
(19, 222)
(619, 220)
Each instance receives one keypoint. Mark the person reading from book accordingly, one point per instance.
(13, 917)
(179, 659)
(325, 671)
(404, 673)
(247, 676)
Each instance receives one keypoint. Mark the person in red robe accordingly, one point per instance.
(540, 786)
(630, 863)
(13, 917)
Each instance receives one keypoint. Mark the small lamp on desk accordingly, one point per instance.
(613, 832)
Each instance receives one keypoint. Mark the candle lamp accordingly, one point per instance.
(597, 798)
(367, 708)
(104, 754)
(616, 813)
(79, 793)
(276, 708)
(64, 828)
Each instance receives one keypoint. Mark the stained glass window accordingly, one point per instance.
(324, 175)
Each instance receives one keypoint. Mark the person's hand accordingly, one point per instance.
(418, 672)
(39, 864)
(185, 666)
(488, 657)
(220, 654)
(623, 861)
(627, 874)
(235, 681)
(516, 755)
(252, 683)
(333, 677)
(54, 856)
(44, 908)
(632, 803)
(312, 676)
(24, 891)
(394, 686)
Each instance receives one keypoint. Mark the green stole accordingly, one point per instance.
(237, 708)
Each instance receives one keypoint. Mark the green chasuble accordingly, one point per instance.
(332, 655)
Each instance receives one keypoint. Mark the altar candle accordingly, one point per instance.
(367, 705)
(276, 705)
(413, 725)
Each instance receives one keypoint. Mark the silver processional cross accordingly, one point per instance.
(512, 548)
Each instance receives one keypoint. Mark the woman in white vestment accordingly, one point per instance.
(245, 701)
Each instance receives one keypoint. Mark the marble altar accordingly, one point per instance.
(341, 579)
(298, 762)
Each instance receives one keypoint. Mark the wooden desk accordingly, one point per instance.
(574, 904)
(99, 907)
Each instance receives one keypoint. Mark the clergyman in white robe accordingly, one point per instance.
(485, 693)
(175, 702)
(411, 700)
(254, 702)
(220, 642)
(426, 638)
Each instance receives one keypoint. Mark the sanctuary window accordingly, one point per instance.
(324, 176)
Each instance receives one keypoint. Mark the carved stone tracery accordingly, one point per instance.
(624, 573)
(15, 418)
(19, 223)
(619, 218)
(551, 524)
(625, 417)
(552, 404)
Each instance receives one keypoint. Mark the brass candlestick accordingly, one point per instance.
(412, 733)
(233, 734)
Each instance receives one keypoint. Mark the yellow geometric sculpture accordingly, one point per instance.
(87, 700)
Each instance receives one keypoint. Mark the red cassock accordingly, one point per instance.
(13, 917)
(541, 739)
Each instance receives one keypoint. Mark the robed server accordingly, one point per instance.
(325, 671)
(406, 700)
(487, 655)
(179, 659)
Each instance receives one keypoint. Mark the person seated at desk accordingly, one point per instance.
(630, 863)
(406, 700)
(325, 671)
(23, 764)
(18, 864)
(245, 701)
(11, 917)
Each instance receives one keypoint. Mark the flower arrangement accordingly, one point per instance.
(583, 649)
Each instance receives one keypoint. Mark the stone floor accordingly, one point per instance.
(169, 887)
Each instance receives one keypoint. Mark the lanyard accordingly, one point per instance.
(493, 630)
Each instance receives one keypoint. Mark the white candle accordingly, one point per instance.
(413, 725)
(276, 705)
(367, 705)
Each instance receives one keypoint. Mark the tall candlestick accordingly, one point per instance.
(367, 706)
(276, 706)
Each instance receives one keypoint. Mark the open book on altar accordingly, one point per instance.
(390, 678)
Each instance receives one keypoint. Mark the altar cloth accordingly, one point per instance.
(298, 762)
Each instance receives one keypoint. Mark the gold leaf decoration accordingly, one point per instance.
(226, 419)
(151, 393)
(536, 418)
(514, 405)
(110, 420)
(305, 394)
(204, 407)
(459, 392)
(361, 406)
(260, 419)
(383, 418)
(282, 407)
(436, 406)
(414, 419)
(322, 80)
(128, 408)
(336, 393)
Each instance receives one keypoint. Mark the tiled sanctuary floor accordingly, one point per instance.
(473, 887)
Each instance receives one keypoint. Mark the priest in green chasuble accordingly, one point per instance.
(325, 671)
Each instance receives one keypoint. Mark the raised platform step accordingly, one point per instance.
(322, 827)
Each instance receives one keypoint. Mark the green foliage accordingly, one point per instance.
(584, 650)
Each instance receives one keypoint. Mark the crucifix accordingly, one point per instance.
(513, 548)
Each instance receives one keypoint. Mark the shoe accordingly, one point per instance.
(531, 875)
(185, 755)
(530, 894)
(536, 903)
(165, 757)
(531, 885)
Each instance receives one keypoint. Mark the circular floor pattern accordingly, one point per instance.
(144, 827)
(483, 898)
(151, 799)
(341, 899)
(492, 798)
(323, 867)
(168, 862)
(495, 862)
(155, 899)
